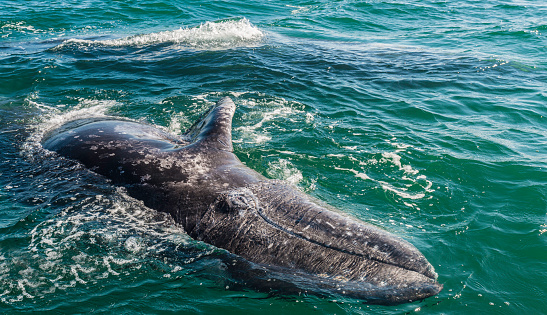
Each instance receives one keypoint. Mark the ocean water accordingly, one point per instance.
(426, 118)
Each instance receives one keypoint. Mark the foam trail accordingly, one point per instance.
(209, 35)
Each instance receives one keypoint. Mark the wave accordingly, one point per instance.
(209, 35)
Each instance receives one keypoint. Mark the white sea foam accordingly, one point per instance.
(360, 175)
(19, 27)
(255, 133)
(410, 176)
(61, 253)
(404, 182)
(258, 122)
(396, 160)
(285, 170)
(401, 192)
(209, 35)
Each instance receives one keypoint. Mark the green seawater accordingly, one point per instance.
(426, 118)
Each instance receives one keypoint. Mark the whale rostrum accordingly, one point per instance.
(271, 229)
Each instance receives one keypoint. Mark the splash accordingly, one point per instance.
(112, 237)
(53, 118)
(260, 122)
(209, 35)
(285, 170)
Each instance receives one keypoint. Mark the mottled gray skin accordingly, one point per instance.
(271, 224)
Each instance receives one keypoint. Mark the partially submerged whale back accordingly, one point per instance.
(276, 231)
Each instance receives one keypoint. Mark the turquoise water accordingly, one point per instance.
(427, 118)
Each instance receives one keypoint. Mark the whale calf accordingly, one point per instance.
(270, 228)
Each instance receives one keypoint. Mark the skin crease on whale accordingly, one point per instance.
(269, 228)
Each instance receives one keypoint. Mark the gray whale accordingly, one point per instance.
(273, 230)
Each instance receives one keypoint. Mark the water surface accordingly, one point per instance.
(426, 118)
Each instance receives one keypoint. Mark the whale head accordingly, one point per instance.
(275, 226)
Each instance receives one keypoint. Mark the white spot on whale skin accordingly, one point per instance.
(146, 177)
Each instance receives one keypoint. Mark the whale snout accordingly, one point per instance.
(275, 225)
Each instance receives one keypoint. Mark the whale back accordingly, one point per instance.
(180, 175)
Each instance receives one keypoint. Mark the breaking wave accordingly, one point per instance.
(209, 35)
